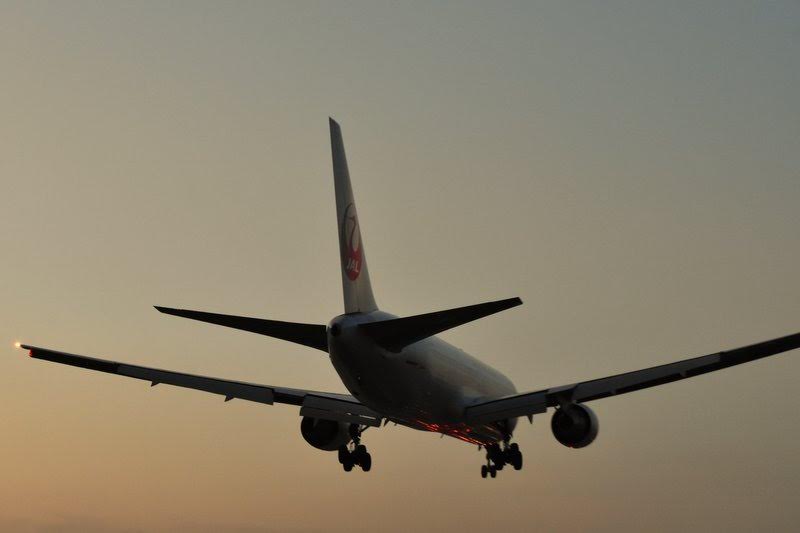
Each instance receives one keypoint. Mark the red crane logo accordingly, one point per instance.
(351, 242)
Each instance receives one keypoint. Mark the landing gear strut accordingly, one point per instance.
(355, 453)
(497, 457)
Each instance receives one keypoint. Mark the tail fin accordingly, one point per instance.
(358, 296)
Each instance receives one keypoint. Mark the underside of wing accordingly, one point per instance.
(326, 405)
(531, 403)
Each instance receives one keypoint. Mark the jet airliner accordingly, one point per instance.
(397, 370)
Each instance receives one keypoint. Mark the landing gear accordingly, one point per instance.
(515, 456)
(489, 470)
(355, 453)
(344, 454)
(497, 458)
(347, 464)
(366, 462)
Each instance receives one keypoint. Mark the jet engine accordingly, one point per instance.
(324, 434)
(574, 426)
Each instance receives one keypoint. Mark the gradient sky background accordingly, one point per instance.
(631, 171)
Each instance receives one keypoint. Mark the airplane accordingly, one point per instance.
(397, 370)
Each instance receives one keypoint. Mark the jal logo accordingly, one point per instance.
(351, 241)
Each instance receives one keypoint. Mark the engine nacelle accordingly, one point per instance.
(324, 434)
(575, 425)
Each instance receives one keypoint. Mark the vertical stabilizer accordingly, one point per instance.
(355, 276)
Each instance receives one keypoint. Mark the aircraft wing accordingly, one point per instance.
(528, 404)
(327, 405)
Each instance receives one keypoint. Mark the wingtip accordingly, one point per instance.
(27, 347)
(333, 124)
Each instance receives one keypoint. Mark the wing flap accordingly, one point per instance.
(339, 410)
(229, 389)
(506, 408)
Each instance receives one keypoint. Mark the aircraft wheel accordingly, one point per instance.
(493, 472)
(344, 454)
(517, 461)
(347, 465)
(360, 451)
(484, 471)
(366, 462)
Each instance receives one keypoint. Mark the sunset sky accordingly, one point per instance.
(630, 170)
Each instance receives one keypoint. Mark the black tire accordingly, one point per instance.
(347, 465)
(493, 472)
(360, 452)
(517, 460)
(484, 471)
(366, 462)
(344, 454)
(514, 447)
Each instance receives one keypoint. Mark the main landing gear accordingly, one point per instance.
(355, 453)
(497, 458)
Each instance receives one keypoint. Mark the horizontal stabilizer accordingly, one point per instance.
(395, 334)
(312, 335)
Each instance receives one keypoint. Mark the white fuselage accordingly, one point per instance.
(426, 386)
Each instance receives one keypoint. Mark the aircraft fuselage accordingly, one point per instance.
(426, 386)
